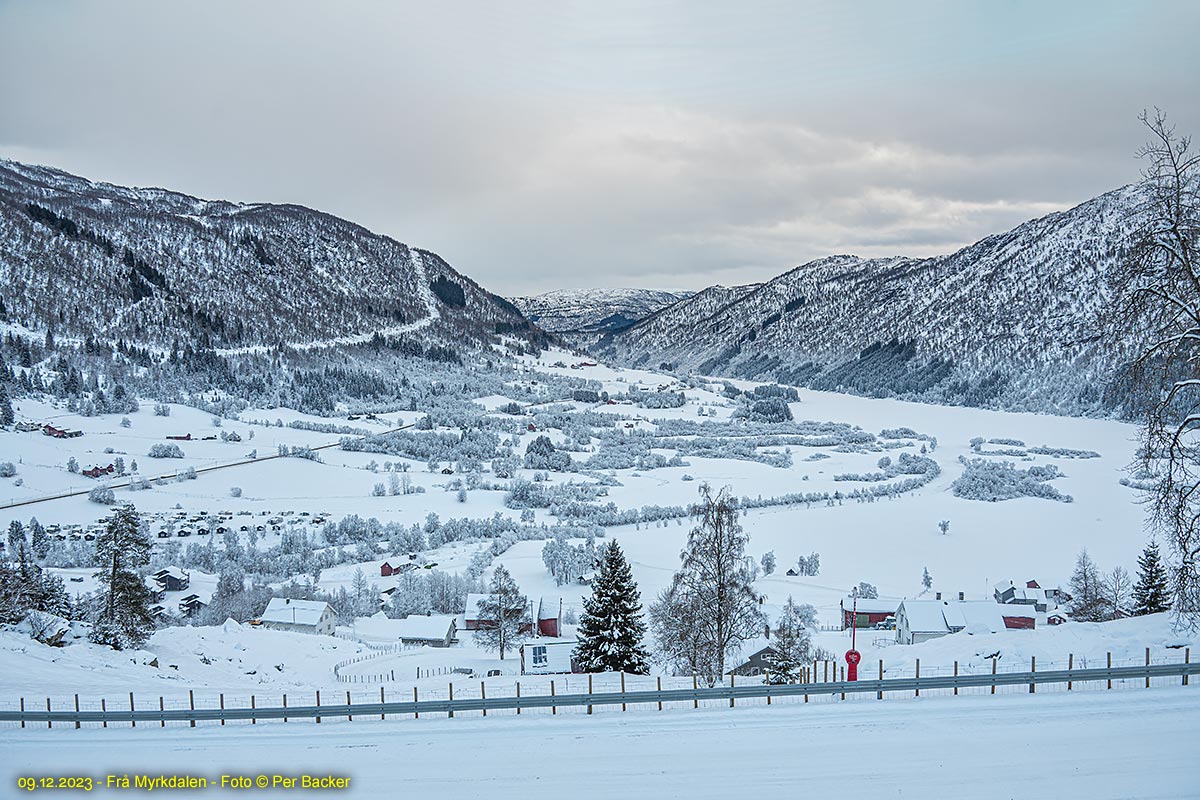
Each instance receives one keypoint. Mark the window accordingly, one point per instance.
(540, 659)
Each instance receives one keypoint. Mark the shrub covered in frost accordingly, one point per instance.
(164, 450)
(991, 481)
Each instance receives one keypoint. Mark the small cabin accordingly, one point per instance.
(547, 658)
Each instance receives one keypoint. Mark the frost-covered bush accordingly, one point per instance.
(162, 410)
(188, 474)
(809, 565)
(102, 495)
(164, 450)
(1063, 452)
(235, 491)
(1009, 442)
(659, 399)
(768, 410)
(7, 469)
(787, 393)
(992, 481)
(125, 423)
(298, 451)
(379, 490)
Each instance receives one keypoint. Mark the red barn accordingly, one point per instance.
(549, 618)
(386, 570)
(185, 438)
(870, 612)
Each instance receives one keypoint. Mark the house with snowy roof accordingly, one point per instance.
(921, 620)
(300, 616)
(472, 616)
(434, 630)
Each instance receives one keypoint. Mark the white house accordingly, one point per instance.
(921, 620)
(302, 616)
(540, 657)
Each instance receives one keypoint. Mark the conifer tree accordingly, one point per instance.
(123, 619)
(611, 628)
(39, 541)
(791, 643)
(502, 616)
(1152, 594)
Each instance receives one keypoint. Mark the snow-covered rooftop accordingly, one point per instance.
(417, 626)
(294, 612)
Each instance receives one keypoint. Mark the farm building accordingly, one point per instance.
(173, 579)
(1031, 594)
(550, 617)
(921, 620)
(435, 630)
(96, 472)
(471, 614)
(386, 570)
(301, 616)
(547, 658)
(870, 611)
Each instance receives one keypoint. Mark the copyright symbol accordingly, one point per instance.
(261, 780)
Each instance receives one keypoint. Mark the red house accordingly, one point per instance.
(549, 618)
(96, 472)
(184, 438)
(386, 570)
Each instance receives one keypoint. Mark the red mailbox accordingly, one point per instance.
(852, 659)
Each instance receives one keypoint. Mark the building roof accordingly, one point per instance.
(419, 626)
(924, 616)
(294, 612)
(871, 605)
(944, 616)
(549, 608)
(471, 609)
(174, 572)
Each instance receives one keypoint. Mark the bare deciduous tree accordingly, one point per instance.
(710, 607)
(1158, 291)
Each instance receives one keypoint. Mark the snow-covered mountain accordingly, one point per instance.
(583, 314)
(1013, 321)
(159, 268)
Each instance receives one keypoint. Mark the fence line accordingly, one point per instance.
(692, 695)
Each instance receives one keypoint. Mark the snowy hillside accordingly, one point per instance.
(159, 269)
(1013, 321)
(583, 314)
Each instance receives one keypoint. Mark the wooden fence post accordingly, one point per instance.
(826, 664)
(1109, 656)
(285, 708)
(518, 698)
(22, 712)
(1147, 665)
(162, 719)
(253, 717)
(483, 697)
(349, 716)
(731, 690)
(318, 706)
(622, 690)
(879, 695)
(49, 724)
(589, 692)
(1187, 659)
(695, 687)
(416, 714)
(956, 675)
(918, 689)
(1033, 671)
(767, 683)
(994, 662)
(660, 690)
(1070, 668)
(76, 712)
(835, 669)
(192, 706)
(104, 710)
(553, 708)
(451, 701)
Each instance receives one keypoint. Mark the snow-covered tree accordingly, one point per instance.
(39, 541)
(611, 628)
(944, 526)
(867, 591)
(926, 579)
(767, 562)
(1117, 591)
(122, 549)
(1087, 603)
(503, 615)
(791, 643)
(1152, 594)
(710, 607)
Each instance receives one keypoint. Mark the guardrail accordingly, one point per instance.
(693, 695)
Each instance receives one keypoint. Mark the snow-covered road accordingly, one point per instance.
(1127, 744)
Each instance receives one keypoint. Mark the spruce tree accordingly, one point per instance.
(1152, 595)
(502, 616)
(122, 549)
(791, 645)
(39, 541)
(611, 628)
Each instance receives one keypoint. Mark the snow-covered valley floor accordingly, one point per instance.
(1087, 745)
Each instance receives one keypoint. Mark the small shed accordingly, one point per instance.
(540, 657)
(386, 570)
(173, 579)
(870, 611)
(550, 617)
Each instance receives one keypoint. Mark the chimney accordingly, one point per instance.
(960, 596)
(939, 595)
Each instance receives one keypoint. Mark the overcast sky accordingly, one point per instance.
(544, 145)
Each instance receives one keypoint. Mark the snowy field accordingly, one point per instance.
(1087, 745)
